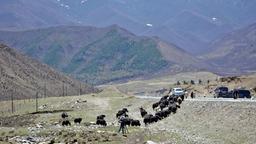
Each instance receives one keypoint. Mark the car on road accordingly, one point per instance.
(239, 93)
(221, 92)
(177, 92)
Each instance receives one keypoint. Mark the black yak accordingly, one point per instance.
(179, 100)
(164, 98)
(155, 105)
(135, 123)
(66, 123)
(173, 107)
(101, 122)
(143, 112)
(121, 112)
(64, 115)
(148, 119)
(101, 116)
(77, 120)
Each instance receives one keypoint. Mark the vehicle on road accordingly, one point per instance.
(221, 92)
(178, 92)
(239, 93)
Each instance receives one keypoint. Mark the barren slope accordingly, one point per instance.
(22, 77)
(236, 50)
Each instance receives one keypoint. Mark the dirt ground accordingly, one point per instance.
(18, 120)
(201, 122)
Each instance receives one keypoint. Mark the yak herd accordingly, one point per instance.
(163, 108)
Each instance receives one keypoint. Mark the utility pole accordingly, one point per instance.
(36, 101)
(2, 93)
(12, 102)
(66, 89)
(80, 90)
(44, 89)
(0, 74)
(63, 89)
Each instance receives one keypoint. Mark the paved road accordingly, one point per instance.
(203, 99)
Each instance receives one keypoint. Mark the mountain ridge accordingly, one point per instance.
(236, 50)
(191, 25)
(106, 54)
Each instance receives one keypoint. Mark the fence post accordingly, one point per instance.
(79, 88)
(36, 101)
(63, 93)
(44, 89)
(12, 101)
(66, 89)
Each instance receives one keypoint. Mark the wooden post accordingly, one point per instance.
(80, 90)
(66, 89)
(63, 89)
(36, 101)
(44, 89)
(0, 74)
(12, 102)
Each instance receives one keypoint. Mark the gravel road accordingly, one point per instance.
(202, 99)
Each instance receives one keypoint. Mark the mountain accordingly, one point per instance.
(100, 55)
(27, 14)
(23, 77)
(236, 50)
(190, 24)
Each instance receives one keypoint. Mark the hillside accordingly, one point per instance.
(100, 55)
(22, 77)
(151, 86)
(237, 50)
(189, 24)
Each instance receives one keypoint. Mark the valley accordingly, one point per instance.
(127, 72)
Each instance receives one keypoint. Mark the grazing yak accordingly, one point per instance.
(179, 100)
(127, 121)
(155, 105)
(149, 118)
(77, 120)
(164, 98)
(154, 119)
(66, 123)
(162, 106)
(163, 103)
(143, 112)
(64, 115)
(173, 107)
(166, 113)
(135, 123)
(163, 114)
(121, 112)
(101, 116)
(131, 122)
(100, 120)
(159, 114)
